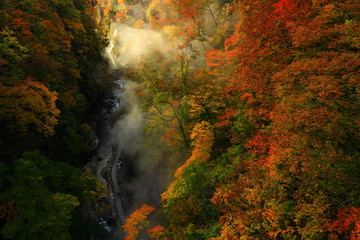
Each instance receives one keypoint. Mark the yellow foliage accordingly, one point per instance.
(203, 140)
(171, 32)
(30, 103)
(139, 23)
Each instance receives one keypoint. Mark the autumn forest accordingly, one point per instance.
(249, 117)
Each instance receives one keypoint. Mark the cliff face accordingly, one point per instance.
(50, 64)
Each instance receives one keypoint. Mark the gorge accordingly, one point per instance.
(194, 119)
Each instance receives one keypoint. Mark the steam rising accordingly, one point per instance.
(128, 135)
(127, 131)
(128, 45)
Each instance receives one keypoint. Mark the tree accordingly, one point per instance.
(27, 105)
(137, 222)
(49, 54)
(298, 173)
(38, 212)
(203, 140)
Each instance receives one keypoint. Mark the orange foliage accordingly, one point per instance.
(157, 233)
(259, 144)
(171, 138)
(226, 119)
(203, 140)
(347, 221)
(283, 6)
(297, 104)
(190, 8)
(29, 103)
(292, 68)
(120, 16)
(137, 221)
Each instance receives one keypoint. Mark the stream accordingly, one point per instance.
(121, 161)
(118, 128)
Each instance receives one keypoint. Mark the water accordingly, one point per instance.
(120, 144)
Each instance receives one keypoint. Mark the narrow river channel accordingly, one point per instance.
(119, 158)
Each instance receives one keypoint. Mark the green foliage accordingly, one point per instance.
(12, 53)
(275, 152)
(45, 195)
(192, 233)
(50, 61)
(55, 45)
(189, 206)
(280, 91)
(242, 127)
(43, 203)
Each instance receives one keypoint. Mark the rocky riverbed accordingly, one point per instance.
(109, 161)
